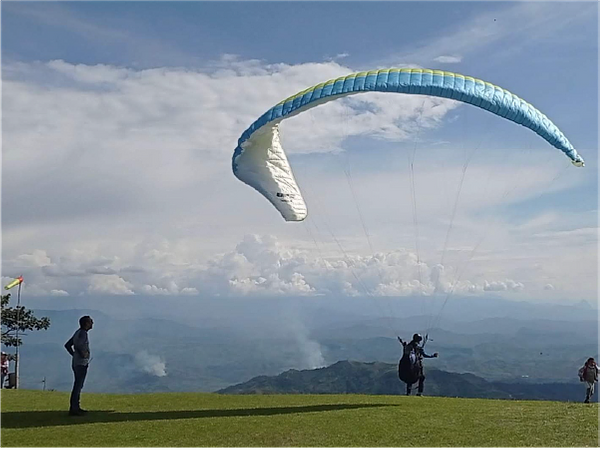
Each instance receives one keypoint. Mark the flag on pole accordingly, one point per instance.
(14, 283)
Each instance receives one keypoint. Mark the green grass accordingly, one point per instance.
(39, 419)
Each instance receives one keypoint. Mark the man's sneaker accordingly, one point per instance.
(419, 394)
(77, 412)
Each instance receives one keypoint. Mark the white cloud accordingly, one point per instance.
(384, 116)
(127, 180)
(59, 293)
(79, 132)
(189, 291)
(448, 59)
(586, 235)
(508, 285)
(260, 265)
(154, 290)
(168, 287)
(263, 265)
(109, 284)
(38, 258)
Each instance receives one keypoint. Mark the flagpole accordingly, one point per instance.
(17, 335)
(12, 284)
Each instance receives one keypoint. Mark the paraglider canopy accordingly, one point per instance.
(260, 161)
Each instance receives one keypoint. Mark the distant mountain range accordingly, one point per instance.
(136, 353)
(352, 377)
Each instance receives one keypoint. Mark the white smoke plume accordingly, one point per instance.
(152, 364)
(310, 350)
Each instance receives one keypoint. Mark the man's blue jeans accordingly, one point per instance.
(80, 372)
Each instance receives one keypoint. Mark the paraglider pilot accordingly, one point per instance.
(410, 367)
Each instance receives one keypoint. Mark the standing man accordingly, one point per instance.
(79, 348)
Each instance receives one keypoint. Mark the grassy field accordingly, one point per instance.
(39, 419)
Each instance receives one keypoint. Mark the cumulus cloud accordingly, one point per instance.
(109, 284)
(96, 224)
(260, 265)
(508, 285)
(169, 287)
(38, 258)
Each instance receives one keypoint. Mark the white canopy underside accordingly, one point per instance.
(264, 166)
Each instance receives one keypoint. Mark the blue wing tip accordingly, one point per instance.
(237, 152)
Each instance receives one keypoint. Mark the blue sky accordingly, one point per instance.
(122, 118)
(201, 31)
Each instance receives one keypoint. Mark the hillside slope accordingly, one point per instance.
(353, 377)
(39, 419)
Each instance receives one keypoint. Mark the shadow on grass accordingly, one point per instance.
(32, 419)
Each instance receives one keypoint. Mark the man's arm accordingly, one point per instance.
(425, 355)
(69, 346)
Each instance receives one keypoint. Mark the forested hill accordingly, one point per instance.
(352, 377)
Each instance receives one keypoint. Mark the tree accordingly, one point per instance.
(18, 320)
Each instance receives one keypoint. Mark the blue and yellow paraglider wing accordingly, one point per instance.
(259, 159)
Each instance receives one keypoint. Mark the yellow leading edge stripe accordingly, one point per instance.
(394, 70)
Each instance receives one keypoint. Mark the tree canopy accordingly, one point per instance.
(21, 319)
